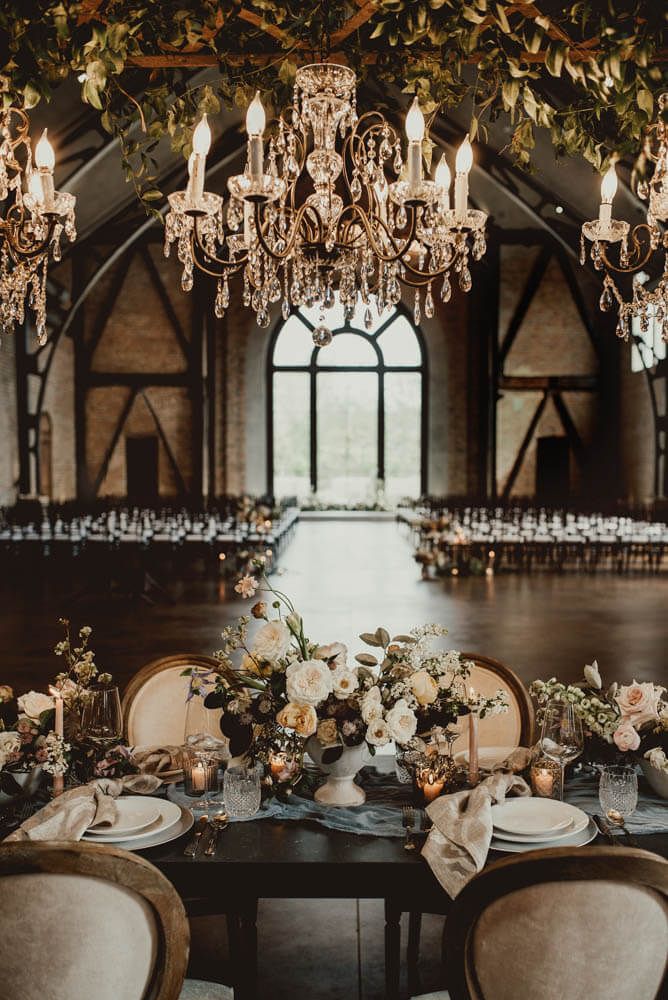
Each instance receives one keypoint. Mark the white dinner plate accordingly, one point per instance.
(163, 836)
(580, 821)
(533, 816)
(168, 814)
(574, 840)
(488, 757)
(132, 813)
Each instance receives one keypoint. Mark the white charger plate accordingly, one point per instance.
(579, 823)
(534, 816)
(488, 757)
(132, 814)
(574, 840)
(163, 836)
(168, 813)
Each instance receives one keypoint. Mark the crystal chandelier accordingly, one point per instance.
(317, 216)
(33, 224)
(638, 245)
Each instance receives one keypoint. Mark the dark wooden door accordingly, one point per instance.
(141, 457)
(552, 471)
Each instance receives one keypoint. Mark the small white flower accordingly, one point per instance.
(378, 733)
(371, 707)
(402, 722)
(344, 682)
(272, 642)
(34, 703)
(246, 586)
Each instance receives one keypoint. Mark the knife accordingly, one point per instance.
(604, 830)
(200, 827)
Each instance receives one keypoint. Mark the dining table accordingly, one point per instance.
(270, 858)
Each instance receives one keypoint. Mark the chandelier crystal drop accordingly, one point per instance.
(34, 220)
(316, 217)
(637, 246)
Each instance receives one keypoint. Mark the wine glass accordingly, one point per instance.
(102, 718)
(562, 737)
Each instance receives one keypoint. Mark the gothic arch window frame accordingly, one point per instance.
(381, 369)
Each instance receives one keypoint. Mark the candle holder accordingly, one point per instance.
(435, 775)
(200, 777)
(545, 778)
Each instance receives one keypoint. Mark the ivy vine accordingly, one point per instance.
(589, 71)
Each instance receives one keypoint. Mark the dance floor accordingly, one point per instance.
(345, 578)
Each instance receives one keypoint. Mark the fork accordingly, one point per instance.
(218, 822)
(408, 822)
(200, 827)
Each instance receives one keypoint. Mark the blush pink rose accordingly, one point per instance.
(626, 738)
(639, 703)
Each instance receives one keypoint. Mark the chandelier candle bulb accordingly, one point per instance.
(45, 161)
(463, 164)
(442, 180)
(608, 190)
(255, 123)
(197, 161)
(415, 135)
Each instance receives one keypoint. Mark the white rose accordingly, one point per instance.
(272, 641)
(344, 682)
(371, 707)
(424, 687)
(402, 722)
(34, 703)
(9, 743)
(592, 675)
(378, 733)
(308, 681)
(639, 703)
(335, 653)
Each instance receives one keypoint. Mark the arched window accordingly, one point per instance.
(346, 418)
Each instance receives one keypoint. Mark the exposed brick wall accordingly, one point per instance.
(59, 404)
(637, 431)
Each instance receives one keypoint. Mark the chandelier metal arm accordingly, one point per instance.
(198, 248)
(636, 253)
(378, 251)
(19, 248)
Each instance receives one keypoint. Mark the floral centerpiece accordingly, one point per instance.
(625, 722)
(282, 681)
(79, 673)
(28, 743)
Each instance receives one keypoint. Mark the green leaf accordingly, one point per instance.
(91, 95)
(152, 195)
(370, 639)
(646, 102)
(383, 637)
(408, 639)
(367, 660)
(287, 71)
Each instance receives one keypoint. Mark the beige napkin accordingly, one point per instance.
(91, 806)
(156, 759)
(516, 761)
(457, 846)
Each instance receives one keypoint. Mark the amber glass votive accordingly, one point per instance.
(200, 774)
(545, 777)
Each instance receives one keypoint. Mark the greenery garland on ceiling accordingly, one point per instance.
(588, 71)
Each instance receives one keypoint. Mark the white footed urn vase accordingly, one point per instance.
(340, 788)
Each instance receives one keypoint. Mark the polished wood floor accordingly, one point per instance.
(345, 578)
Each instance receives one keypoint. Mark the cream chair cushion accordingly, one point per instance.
(195, 989)
(602, 940)
(74, 937)
(503, 730)
(156, 715)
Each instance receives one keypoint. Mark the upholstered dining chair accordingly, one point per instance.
(154, 702)
(508, 729)
(82, 920)
(561, 924)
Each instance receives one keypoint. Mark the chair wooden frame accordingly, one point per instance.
(558, 864)
(127, 870)
(146, 673)
(510, 679)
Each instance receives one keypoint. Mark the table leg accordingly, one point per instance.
(248, 951)
(413, 951)
(392, 950)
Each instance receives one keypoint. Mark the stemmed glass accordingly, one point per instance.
(102, 718)
(562, 737)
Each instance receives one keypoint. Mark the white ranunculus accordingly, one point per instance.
(344, 682)
(308, 681)
(592, 675)
(424, 687)
(378, 733)
(402, 722)
(371, 706)
(335, 653)
(34, 703)
(9, 743)
(271, 642)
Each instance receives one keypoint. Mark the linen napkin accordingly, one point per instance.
(91, 806)
(156, 759)
(458, 843)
